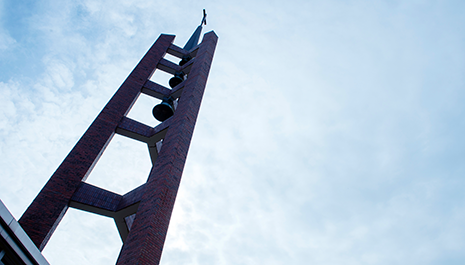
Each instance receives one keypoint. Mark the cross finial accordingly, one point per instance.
(204, 19)
(194, 39)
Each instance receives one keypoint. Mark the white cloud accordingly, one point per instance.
(329, 132)
(6, 41)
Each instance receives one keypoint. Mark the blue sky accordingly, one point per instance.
(331, 132)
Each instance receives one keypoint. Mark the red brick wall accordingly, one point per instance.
(145, 241)
(46, 211)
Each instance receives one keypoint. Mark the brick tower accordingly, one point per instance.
(142, 215)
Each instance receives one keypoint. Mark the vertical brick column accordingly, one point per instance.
(145, 241)
(48, 208)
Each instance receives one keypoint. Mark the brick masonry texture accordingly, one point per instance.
(96, 197)
(131, 197)
(145, 241)
(48, 208)
(147, 235)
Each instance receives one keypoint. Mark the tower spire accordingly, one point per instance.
(142, 215)
(194, 39)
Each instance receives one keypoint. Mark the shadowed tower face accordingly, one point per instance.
(143, 214)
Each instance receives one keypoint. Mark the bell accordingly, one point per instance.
(177, 79)
(184, 60)
(164, 110)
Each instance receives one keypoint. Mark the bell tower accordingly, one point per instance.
(142, 215)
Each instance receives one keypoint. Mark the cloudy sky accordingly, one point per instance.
(331, 132)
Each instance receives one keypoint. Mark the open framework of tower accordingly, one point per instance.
(142, 215)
